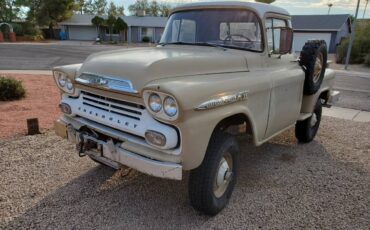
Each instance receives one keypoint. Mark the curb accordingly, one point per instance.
(41, 72)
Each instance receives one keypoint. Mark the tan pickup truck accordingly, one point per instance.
(174, 107)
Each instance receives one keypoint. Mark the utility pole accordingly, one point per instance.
(329, 5)
(363, 16)
(352, 36)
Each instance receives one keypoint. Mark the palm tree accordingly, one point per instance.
(329, 5)
(98, 21)
(121, 26)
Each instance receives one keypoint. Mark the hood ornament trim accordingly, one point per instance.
(106, 82)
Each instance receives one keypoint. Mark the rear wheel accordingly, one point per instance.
(212, 183)
(306, 130)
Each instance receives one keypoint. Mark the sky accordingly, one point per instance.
(294, 6)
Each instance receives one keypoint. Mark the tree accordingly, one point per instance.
(120, 25)
(139, 5)
(80, 6)
(100, 7)
(111, 21)
(9, 10)
(89, 7)
(50, 12)
(98, 22)
(154, 8)
(121, 11)
(265, 1)
(164, 9)
(112, 9)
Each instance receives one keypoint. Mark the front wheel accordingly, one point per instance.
(306, 130)
(212, 183)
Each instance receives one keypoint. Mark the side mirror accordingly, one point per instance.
(286, 40)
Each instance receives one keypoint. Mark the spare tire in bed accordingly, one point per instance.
(313, 60)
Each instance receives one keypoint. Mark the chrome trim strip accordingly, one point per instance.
(106, 82)
(223, 100)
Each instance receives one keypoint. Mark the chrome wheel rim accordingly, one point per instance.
(223, 175)
(318, 67)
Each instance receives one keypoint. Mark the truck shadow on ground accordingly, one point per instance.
(273, 180)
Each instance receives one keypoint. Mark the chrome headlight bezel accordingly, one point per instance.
(162, 114)
(64, 82)
(170, 106)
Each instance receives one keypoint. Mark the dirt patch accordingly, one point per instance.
(42, 97)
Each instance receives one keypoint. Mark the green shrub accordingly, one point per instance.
(357, 57)
(18, 29)
(146, 39)
(11, 89)
(360, 47)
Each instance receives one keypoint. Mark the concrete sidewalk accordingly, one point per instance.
(347, 114)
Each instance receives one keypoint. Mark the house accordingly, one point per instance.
(331, 28)
(79, 27)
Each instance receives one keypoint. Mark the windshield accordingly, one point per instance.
(228, 28)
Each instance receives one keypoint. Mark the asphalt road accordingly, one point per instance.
(354, 87)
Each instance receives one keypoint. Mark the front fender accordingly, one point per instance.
(197, 126)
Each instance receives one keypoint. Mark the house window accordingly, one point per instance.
(273, 33)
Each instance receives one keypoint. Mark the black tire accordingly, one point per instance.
(305, 131)
(313, 51)
(202, 179)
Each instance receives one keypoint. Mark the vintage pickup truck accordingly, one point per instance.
(172, 108)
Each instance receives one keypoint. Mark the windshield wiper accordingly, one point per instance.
(209, 44)
(176, 43)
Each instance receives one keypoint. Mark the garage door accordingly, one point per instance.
(85, 33)
(301, 38)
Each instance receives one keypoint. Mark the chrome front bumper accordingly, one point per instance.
(114, 155)
(333, 96)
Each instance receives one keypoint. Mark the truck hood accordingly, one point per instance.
(143, 65)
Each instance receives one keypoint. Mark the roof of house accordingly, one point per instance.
(147, 21)
(332, 22)
(260, 8)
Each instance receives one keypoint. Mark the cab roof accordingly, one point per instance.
(260, 8)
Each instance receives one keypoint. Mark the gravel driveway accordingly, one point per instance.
(321, 185)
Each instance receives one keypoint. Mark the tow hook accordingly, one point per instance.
(85, 144)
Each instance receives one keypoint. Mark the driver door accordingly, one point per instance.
(287, 82)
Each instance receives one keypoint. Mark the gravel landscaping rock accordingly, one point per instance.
(282, 184)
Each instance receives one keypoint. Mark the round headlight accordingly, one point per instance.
(69, 84)
(170, 106)
(61, 80)
(155, 102)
